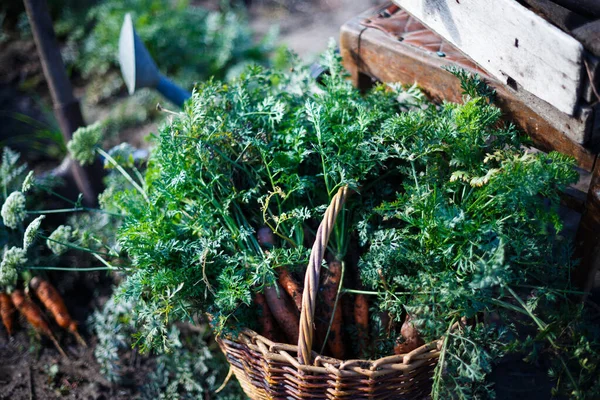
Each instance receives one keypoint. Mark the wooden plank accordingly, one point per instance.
(511, 42)
(578, 127)
(368, 51)
(403, 27)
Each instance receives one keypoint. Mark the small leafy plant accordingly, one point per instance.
(192, 369)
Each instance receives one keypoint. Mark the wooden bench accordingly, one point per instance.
(387, 44)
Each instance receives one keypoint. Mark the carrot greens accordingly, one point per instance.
(451, 223)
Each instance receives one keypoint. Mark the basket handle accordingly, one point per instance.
(311, 280)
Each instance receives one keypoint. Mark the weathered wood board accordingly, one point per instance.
(412, 56)
(512, 43)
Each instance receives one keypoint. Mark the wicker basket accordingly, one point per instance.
(269, 370)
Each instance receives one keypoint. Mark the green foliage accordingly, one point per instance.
(41, 139)
(472, 85)
(114, 328)
(470, 353)
(191, 370)
(92, 230)
(456, 220)
(269, 148)
(476, 216)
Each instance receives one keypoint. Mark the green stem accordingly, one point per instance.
(75, 209)
(554, 290)
(367, 292)
(323, 164)
(257, 113)
(53, 193)
(242, 221)
(275, 229)
(103, 261)
(279, 206)
(74, 246)
(138, 175)
(372, 293)
(42, 268)
(414, 173)
(235, 163)
(508, 306)
(123, 172)
(57, 211)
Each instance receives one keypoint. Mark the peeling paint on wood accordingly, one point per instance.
(546, 62)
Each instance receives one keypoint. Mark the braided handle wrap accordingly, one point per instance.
(311, 280)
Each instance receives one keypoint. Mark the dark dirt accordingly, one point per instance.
(32, 368)
(37, 371)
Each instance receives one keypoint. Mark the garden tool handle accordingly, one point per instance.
(171, 91)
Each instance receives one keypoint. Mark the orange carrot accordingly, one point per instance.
(361, 318)
(54, 303)
(268, 326)
(330, 289)
(34, 316)
(291, 287)
(7, 311)
(284, 312)
(412, 338)
(276, 299)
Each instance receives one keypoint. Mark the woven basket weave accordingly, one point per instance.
(269, 370)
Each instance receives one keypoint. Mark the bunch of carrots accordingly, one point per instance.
(52, 302)
(280, 306)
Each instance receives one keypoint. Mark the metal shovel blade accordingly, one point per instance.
(138, 67)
